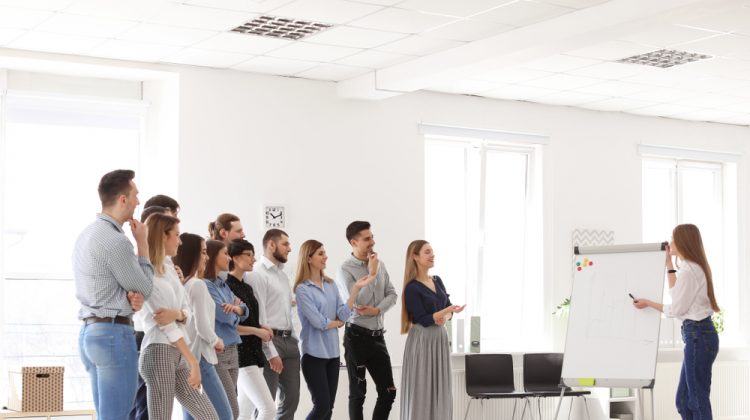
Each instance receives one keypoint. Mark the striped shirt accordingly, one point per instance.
(105, 268)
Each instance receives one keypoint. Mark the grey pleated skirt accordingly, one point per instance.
(426, 375)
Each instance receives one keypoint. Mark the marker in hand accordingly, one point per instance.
(632, 297)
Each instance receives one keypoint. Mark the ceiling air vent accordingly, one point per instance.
(278, 27)
(664, 58)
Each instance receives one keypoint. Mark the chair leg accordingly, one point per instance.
(570, 409)
(466, 415)
(525, 403)
(513, 416)
(481, 413)
(539, 407)
(586, 403)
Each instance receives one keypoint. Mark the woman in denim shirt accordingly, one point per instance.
(321, 312)
(693, 301)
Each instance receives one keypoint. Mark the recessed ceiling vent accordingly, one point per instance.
(664, 58)
(279, 27)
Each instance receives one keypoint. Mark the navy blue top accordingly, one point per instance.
(421, 302)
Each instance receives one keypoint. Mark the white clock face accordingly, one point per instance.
(274, 216)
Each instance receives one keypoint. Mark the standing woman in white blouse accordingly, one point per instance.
(693, 301)
(166, 363)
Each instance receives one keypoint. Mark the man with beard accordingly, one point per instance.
(273, 291)
(111, 283)
(364, 341)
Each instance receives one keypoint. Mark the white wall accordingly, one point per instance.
(247, 140)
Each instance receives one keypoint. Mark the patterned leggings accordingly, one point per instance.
(228, 369)
(166, 376)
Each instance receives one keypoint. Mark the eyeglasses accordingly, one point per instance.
(248, 254)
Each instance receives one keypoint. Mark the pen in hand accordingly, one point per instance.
(632, 297)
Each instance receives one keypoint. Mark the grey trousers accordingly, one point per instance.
(228, 369)
(166, 376)
(287, 383)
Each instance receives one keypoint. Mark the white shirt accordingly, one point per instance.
(689, 294)
(138, 316)
(200, 327)
(168, 293)
(273, 290)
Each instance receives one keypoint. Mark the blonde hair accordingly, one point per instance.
(687, 240)
(410, 274)
(159, 225)
(307, 250)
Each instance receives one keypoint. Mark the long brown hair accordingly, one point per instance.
(223, 221)
(159, 226)
(687, 240)
(307, 250)
(410, 273)
(189, 254)
(213, 247)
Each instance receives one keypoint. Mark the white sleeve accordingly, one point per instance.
(204, 307)
(683, 293)
(259, 283)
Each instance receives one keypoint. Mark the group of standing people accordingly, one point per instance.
(214, 325)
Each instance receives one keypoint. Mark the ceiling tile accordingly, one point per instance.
(400, 20)
(662, 77)
(617, 104)
(313, 52)
(665, 35)
(559, 63)
(332, 72)
(242, 43)
(381, 2)
(741, 108)
(419, 45)
(128, 10)
(255, 6)
(562, 82)
(523, 13)
(575, 4)
(55, 43)
(452, 7)
(717, 66)
(200, 17)
(660, 94)
(712, 84)
(732, 46)
(279, 66)
(168, 35)
(374, 59)
(14, 18)
(137, 51)
(739, 119)
(466, 86)
(85, 26)
(468, 30)
(733, 20)
(49, 5)
(325, 11)
(611, 50)
(614, 88)
(518, 92)
(569, 98)
(609, 70)
(196, 57)
(347, 36)
(513, 75)
(8, 35)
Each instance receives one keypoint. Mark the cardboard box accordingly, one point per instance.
(36, 389)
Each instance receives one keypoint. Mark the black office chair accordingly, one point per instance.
(490, 376)
(542, 378)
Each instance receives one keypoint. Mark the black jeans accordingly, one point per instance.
(322, 377)
(365, 353)
(140, 406)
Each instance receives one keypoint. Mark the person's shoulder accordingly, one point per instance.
(692, 268)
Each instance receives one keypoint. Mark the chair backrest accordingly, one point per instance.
(542, 371)
(489, 374)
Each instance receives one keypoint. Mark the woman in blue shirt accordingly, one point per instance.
(426, 373)
(230, 310)
(321, 313)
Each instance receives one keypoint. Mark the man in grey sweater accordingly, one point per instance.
(364, 341)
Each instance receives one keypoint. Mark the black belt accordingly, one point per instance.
(367, 331)
(116, 320)
(282, 333)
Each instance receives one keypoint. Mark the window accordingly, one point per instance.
(680, 190)
(483, 218)
(55, 150)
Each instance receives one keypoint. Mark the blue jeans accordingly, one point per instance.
(109, 355)
(701, 348)
(213, 387)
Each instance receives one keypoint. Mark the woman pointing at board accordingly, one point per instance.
(693, 301)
